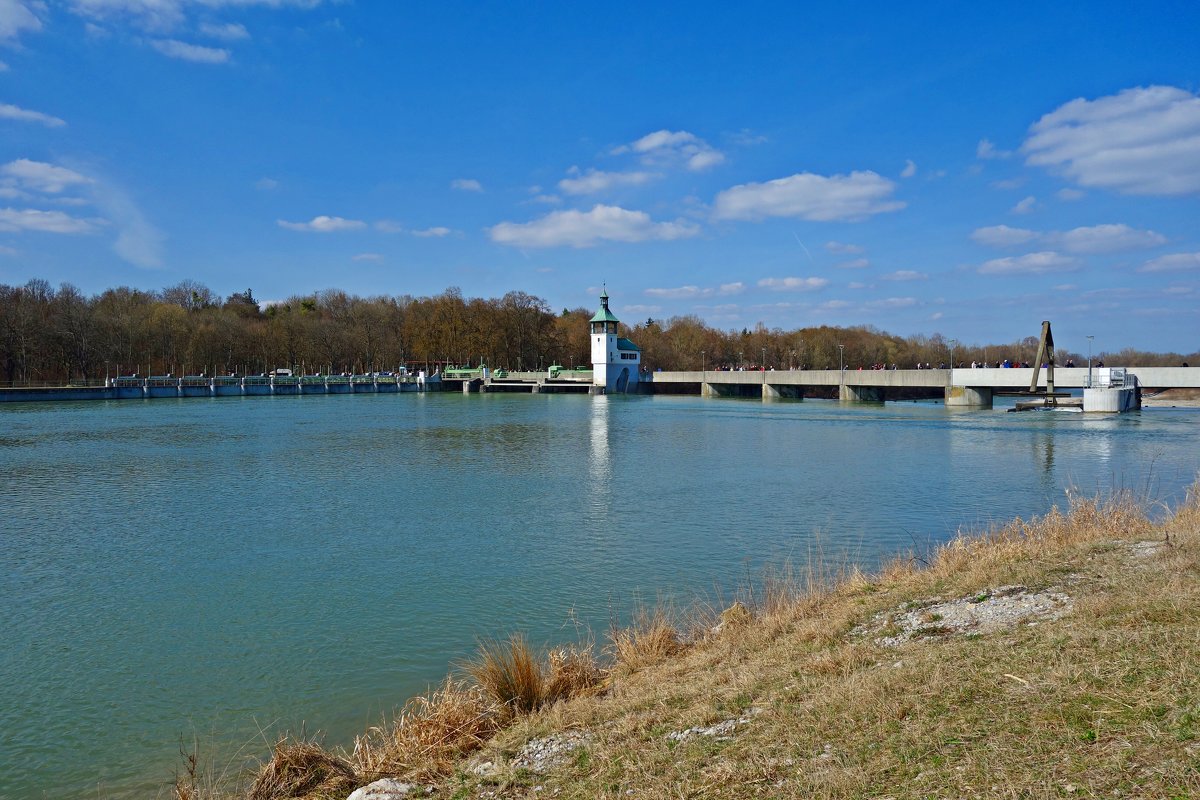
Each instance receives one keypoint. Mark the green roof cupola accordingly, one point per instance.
(604, 321)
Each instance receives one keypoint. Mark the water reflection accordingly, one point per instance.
(600, 468)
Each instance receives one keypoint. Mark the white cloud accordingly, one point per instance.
(389, 226)
(859, 285)
(910, 169)
(1025, 206)
(23, 115)
(158, 15)
(855, 263)
(1069, 195)
(693, 292)
(1029, 264)
(816, 198)
(674, 147)
(1002, 236)
(834, 305)
(594, 181)
(793, 284)
(546, 199)
(38, 176)
(1106, 239)
(435, 233)
(28, 219)
(3, 67)
(324, 224)
(1091, 239)
(138, 241)
(1009, 183)
(935, 316)
(466, 185)
(588, 228)
(893, 302)
(190, 52)
(1143, 141)
(638, 308)
(906, 275)
(266, 184)
(1168, 290)
(680, 293)
(368, 257)
(843, 248)
(986, 150)
(1175, 262)
(15, 18)
(229, 32)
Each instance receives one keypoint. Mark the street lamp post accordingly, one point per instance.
(703, 362)
(740, 364)
(952, 343)
(763, 363)
(841, 358)
(1090, 338)
(792, 361)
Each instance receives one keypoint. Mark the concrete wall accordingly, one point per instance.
(67, 393)
(968, 397)
(1112, 401)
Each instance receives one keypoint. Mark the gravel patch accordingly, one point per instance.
(721, 731)
(1147, 549)
(987, 612)
(543, 755)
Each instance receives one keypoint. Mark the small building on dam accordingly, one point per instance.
(616, 361)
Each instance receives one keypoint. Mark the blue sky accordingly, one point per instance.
(969, 169)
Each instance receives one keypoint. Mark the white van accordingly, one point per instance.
(280, 373)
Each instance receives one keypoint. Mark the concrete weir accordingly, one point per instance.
(968, 397)
(861, 394)
(196, 386)
(973, 388)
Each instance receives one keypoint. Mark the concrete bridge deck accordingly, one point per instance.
(959, 387)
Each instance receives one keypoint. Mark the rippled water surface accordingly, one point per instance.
(217, 568)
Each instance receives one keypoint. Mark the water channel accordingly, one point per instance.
(222, 569)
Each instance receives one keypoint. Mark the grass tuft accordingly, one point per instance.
(429, 734)
(510, 673)
(302, 768)
(650, 640)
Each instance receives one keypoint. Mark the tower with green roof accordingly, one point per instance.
(616, 361)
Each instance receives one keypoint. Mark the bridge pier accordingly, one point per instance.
(968, 397)
(861, 394)
(782, 391)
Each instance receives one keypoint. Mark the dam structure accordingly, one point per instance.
(959, 387)
(164, 386)
(1110, 389)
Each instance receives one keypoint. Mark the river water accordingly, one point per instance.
(222, 569)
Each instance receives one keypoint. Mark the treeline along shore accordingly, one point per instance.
(59, 336)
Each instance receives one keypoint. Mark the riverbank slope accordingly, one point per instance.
(1053, 658)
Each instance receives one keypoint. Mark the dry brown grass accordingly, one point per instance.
(574, 672)
(301, 768)
(652, 638)
(428, 735)
(1101, 703)
(519, 681)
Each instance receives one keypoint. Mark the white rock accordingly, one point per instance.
(384, 789)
